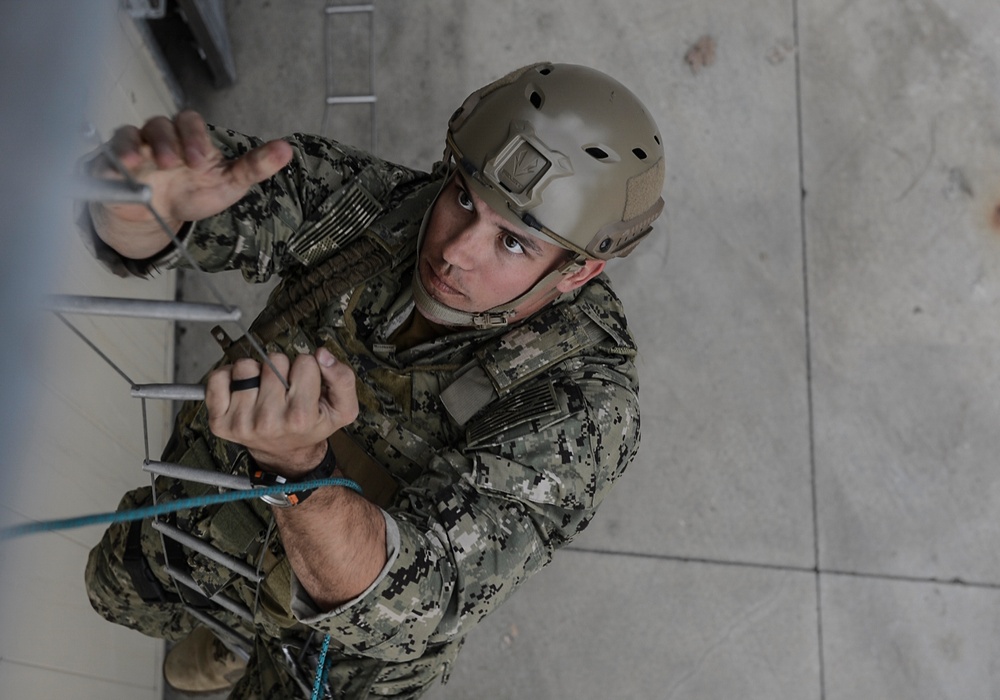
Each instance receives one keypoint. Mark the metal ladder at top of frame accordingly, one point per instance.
(353, 99)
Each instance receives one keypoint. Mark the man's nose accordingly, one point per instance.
(465, 248)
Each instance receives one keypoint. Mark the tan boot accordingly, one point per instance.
(200, 663)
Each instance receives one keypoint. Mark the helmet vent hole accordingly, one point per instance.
(598, 153)
(639, 153)
(535, 99)
(656, 137)
(545, 71)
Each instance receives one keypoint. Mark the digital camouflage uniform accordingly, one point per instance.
(473, 507)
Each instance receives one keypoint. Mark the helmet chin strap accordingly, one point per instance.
(544, 290)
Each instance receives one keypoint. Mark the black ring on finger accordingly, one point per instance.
(244, 384)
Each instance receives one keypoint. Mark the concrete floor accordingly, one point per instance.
(815, 510)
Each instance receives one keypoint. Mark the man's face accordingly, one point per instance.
(473, 259)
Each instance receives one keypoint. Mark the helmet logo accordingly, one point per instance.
(522, 168)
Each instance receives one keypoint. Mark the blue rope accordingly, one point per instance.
(126, 516)
(321, 669)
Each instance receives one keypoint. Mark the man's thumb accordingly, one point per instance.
(325, 358)
(260, 163)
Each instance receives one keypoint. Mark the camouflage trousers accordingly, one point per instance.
(269, 675)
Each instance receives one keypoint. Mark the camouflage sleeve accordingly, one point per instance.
(304, 608)
(327, 193)
(488, 518)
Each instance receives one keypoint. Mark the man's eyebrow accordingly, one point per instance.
(523, 237)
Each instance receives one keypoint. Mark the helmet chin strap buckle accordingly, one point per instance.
(492, 319)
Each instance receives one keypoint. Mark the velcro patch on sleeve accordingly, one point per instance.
(532, 405)
(350, 211)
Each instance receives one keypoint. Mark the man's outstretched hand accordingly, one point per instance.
(187, 174)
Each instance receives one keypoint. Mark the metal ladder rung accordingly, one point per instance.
(235, 641)
(213, 553)
(219, 599)
(141, 308)
(97, 189)
(351, 99)
(200, 476)
(348, 9)
(169, 392)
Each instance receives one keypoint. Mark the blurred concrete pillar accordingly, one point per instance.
(49, 50)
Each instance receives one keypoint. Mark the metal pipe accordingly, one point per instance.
(351, 99)
(95, 189)
(213, 553)
(141, 308)
(236, 642)
(200, 476)
(373, 109)
(169, 392)
(346, 9)
(219, 599)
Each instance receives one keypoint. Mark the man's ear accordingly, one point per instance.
(590, 269)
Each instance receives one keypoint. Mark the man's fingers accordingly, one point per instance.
(323, 394)
(161, 135)
(284, 424)
(126, 145)
(232, 384)
(305, 381)
(339, 388)
(230, 408)
(271, 388)
(246, 368)
(196, 146)
(217, 395)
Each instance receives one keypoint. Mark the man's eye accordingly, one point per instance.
(512, 245)
(465, 201)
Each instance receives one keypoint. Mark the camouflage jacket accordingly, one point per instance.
(474, 509)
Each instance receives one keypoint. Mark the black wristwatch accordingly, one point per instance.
(260, 477)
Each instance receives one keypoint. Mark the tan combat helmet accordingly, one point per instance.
(564, 152)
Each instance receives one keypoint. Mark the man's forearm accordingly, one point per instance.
(335, 543)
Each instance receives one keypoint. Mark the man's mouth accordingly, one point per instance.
(436, 283)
